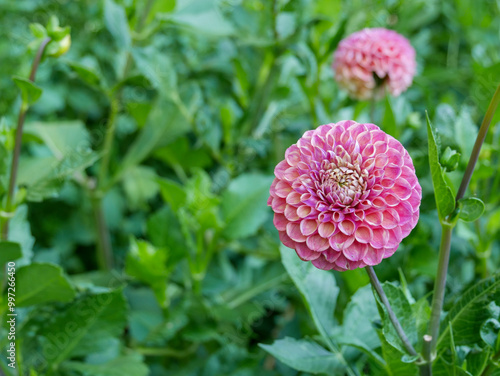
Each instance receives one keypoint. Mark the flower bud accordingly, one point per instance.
(449, 160)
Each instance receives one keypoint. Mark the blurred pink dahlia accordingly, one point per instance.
(369, 52)
(345, 196)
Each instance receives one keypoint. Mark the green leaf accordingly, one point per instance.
(165, 123)
(304, 355)
(389, 124)
(393, 358)
(86, 326)
(148, 264)
(41, 283)
(30, 92)
(445, 199)
(9, 251)
(126, 365)
(470, 312)
(173, 193)
(85, 73)
(317, 287)
(244, 206)
(403, 311)
(157, 67)
(116, 22)
(140, 185)
(490, 332)
(471, 209)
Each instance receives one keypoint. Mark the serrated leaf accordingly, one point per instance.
(445, 199)
(471, 209)
(41, 283)
(469, 313)
(116, 22)
(393, 357)
(30, 92)
(403, 311)
(9, 251)
(148, 264)
(86, 326)
(244, 206)
(304, 355)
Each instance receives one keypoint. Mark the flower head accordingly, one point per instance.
(370, 59)
(345, 196)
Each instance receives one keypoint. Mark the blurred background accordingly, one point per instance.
(204, 97)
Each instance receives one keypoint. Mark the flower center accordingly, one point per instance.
(342, 183)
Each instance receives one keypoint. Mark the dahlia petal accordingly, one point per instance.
(317, 243)
(356, 251)
(285, 239)
(374, 257)
(305, 253)
(291, 213)
(380, 237)
(308, 227)
(363, 234)
(347, 227)
(278, 204)
(326, 229)
(279, 170)
(282, 189)
(293, 198)
(280, 221)
(293, 231)
(321, 263)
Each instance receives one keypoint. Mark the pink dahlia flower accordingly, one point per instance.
(378, 51)
(345, 196)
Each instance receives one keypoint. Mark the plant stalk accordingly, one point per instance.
(392, 316)
(438, 295)
(18, 141)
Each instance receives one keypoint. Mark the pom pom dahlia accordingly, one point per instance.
(345, 196)
(369, 52)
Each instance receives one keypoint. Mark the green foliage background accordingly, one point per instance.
(206, 96)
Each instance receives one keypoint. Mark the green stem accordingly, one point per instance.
(478, 144)
(18, 142)
(104, 248)
(392, 316)
(438, 296)
(108, 143)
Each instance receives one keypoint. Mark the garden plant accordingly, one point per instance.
(249, 187)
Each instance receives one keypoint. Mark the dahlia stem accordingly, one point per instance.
(18, 140)
(430, 339)
(478, 144)
(392, 316)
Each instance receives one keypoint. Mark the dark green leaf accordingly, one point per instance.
(42, 283)
(9, 251)
(85, 73)
(126, 365)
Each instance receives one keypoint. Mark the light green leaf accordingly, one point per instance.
(148, 264)
(30, 92)
(86, 326)
(490, 333)
(317, 287)
(244, 206)
(305, 356)
(140, 185)
(126, 365)
(9, 251)
(116, 22)
(471, 209)
(41, 283)
(173, 193)
(445, 199)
